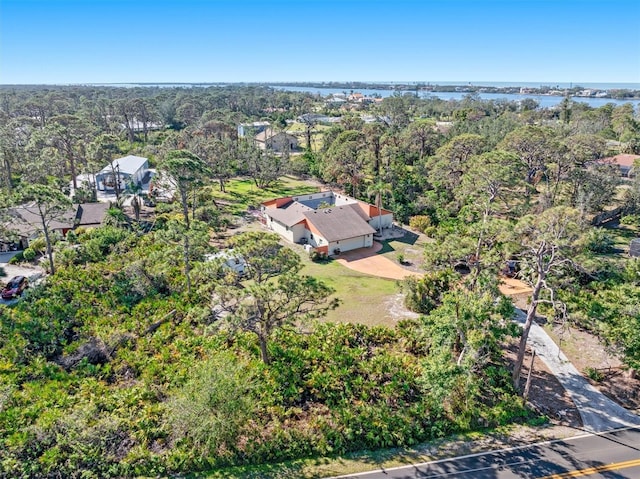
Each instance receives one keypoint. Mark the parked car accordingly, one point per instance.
(14, 287)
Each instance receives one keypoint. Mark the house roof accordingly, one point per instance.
(363, 210)
(89, 214)
(339, 223)
(290, 214)
(623, 159)
(28, 221)
(268, 134)
(371, 210)
(256, 123)
(129, 164)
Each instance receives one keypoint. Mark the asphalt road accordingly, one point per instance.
(613, 455)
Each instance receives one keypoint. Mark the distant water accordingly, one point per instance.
(545, 101)
(559, 86)
(503, 84)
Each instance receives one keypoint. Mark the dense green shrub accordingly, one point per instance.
(170, 393)
(424, 294)
(421, 223)
(29, 254)
(39, 245)
(318, 256)
(630, 220)
(598, 240)
(16, 258)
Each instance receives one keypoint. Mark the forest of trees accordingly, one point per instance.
(135, 356)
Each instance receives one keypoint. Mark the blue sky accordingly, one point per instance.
(104, 41)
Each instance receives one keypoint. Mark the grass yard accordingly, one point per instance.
(317, 135)
(242, 192)
(363, 298)
(622, 235)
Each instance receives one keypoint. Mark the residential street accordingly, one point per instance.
(611, 455)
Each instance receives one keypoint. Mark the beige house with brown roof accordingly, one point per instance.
(327, 221)
(277, 142)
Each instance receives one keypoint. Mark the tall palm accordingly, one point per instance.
(378, 189)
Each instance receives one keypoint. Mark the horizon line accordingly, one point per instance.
(266, 82)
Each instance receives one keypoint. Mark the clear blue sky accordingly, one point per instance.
(103, 41)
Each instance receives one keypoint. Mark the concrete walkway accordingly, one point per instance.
(366, 260)
(598, 412)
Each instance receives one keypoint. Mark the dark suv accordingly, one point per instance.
(15, 287)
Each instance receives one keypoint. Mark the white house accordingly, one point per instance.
(229, 260)
(127, 170)
(329, 222)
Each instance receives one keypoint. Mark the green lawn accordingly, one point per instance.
(362, 297)
(242, 192)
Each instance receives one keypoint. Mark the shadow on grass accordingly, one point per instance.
(386, 247)
(408, 238)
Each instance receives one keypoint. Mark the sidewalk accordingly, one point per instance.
(598, 412)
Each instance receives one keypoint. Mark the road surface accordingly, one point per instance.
(613, 455)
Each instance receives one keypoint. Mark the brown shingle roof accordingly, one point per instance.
(290, 214)
(360, 209)
(339, 223)
(28, 222)
(90, 214)
(269, 134)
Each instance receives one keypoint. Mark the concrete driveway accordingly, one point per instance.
(366, 260)
(598, 412)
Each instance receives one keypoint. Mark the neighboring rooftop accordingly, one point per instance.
(338, 223)
(623, 159)
(28, 221)
(91, 214)
(129, 165)
(290, 214)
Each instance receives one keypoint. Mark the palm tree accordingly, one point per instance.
(378, 189)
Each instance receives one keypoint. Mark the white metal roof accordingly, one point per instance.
(129, 164)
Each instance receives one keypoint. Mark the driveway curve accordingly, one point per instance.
(366, 260)
(598, 412)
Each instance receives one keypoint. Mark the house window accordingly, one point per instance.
(311, 236)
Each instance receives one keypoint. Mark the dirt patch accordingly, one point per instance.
(588, 354)
(365, 260)
(514, 287)
(546, 394)
(397, 310)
